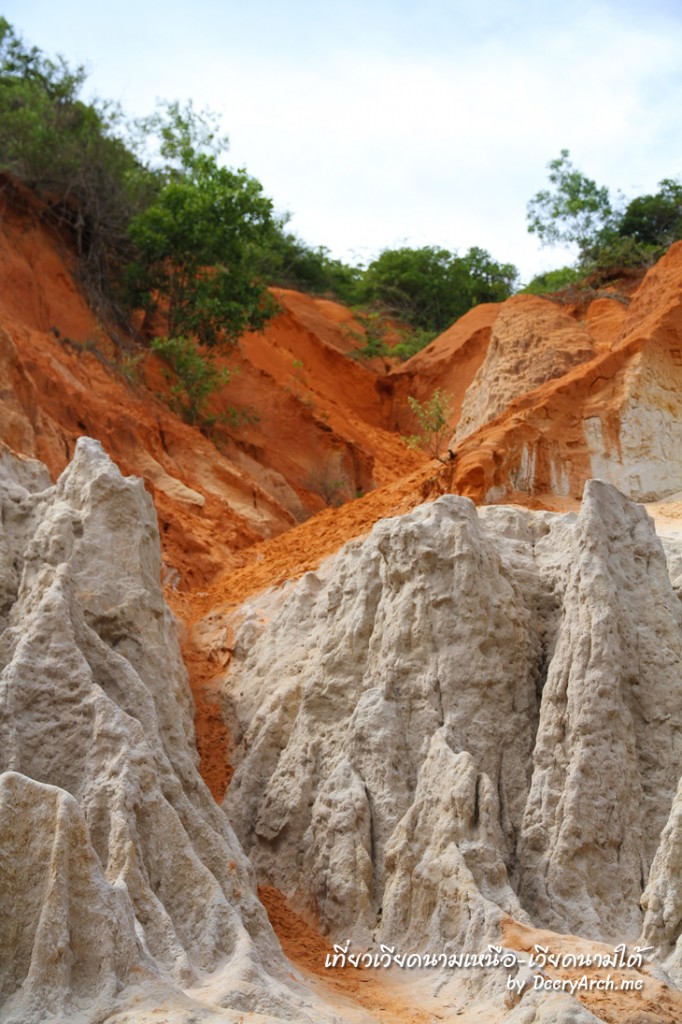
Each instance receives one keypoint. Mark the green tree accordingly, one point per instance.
(288, 261)
(554, 281)
(74, 155)
(429, 288)
(198, 243)
(489, 281)
(576, 211)
(655, 220)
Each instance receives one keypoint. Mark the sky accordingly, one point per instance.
(384, 123)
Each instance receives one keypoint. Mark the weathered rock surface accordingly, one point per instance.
(616, 416)
(532, 341)
(662, 898)
(67, 935)
(463, 718)
(463, 715)
(608, 751)
(298, 417)
(116, 866)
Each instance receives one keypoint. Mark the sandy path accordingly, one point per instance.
(387, 996)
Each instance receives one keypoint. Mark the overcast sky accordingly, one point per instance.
(386, 122)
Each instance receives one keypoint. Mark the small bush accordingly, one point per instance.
(376, 327)
(412, 342)
(553, 281)
(433, 417)
(331, 483)
(372, 336)
(130, 367)
(197, 375)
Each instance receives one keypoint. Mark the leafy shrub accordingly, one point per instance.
(196, 243)
(433, 417)
(287, 261)
(553, 281)
(373, 335)
(429, 288)
(331, 483)
(615, 254)
(197, 376)
(73, 155)
(130, 367)
(412, 342)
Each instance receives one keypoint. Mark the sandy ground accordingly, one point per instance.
(391, 997)
(406, 997)
(667, 514)
(656, 1003)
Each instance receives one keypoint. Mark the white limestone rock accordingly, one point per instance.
(672, 546)
(447, 881)
(645, 459)
(119, 833)
(662, 898)
(609, 743)
(555, 1008)
(419, 631)
(461, 716)
(420, 733)
(66, 934)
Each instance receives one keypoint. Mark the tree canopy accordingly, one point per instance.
(430, 287)
(575, 211)
(655, 219)
(198, 243)
(609, 235)
(74, 154)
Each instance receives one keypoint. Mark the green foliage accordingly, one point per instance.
(72, 154)
(183, 232)
(43, 125)
(197, 376)
(197, 243)
(236, 418)
(429, 288)
(331, 483)
(611, 241)
(574, 212)
(411, 342)
(373, 335)
(655, 220)
(287, 261)
(489, 281)
(553, 281)
(376, 329)
(615, 254)
(433, 417)
(609, 238)
(180, 135)
(130, 367)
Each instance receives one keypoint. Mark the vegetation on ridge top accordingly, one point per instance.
(609, 234)
(180, 233)
(196, 244)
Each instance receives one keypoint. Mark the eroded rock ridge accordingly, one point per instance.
(119, 872)
(467, 715)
